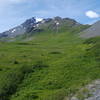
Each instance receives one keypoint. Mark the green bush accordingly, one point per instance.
(9, 82)
(55, 52)
(40, 65)
(16, 62)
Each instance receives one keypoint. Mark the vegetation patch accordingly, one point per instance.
(55, 52)
(32, 73)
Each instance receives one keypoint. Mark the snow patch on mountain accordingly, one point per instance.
(13, 30)
(39, 19)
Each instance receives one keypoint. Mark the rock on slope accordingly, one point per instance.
(90, 92)
(93, 31)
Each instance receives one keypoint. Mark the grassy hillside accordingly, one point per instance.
(49, 67)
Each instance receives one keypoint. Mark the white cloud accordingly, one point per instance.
(92, 14)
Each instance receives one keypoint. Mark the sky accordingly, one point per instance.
(15, 12)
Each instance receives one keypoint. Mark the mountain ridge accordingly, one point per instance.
(93, 31)
(31, 25)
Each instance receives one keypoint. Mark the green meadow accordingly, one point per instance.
(51, 66)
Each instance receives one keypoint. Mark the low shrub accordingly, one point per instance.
(16, 62)
(39, 65)
(55, 52)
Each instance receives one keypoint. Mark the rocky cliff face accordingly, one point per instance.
(21, 29)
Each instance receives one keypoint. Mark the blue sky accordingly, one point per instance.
(14, 12)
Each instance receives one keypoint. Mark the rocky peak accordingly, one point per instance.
(29, 22)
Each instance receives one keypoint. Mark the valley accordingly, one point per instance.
(51, 66)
